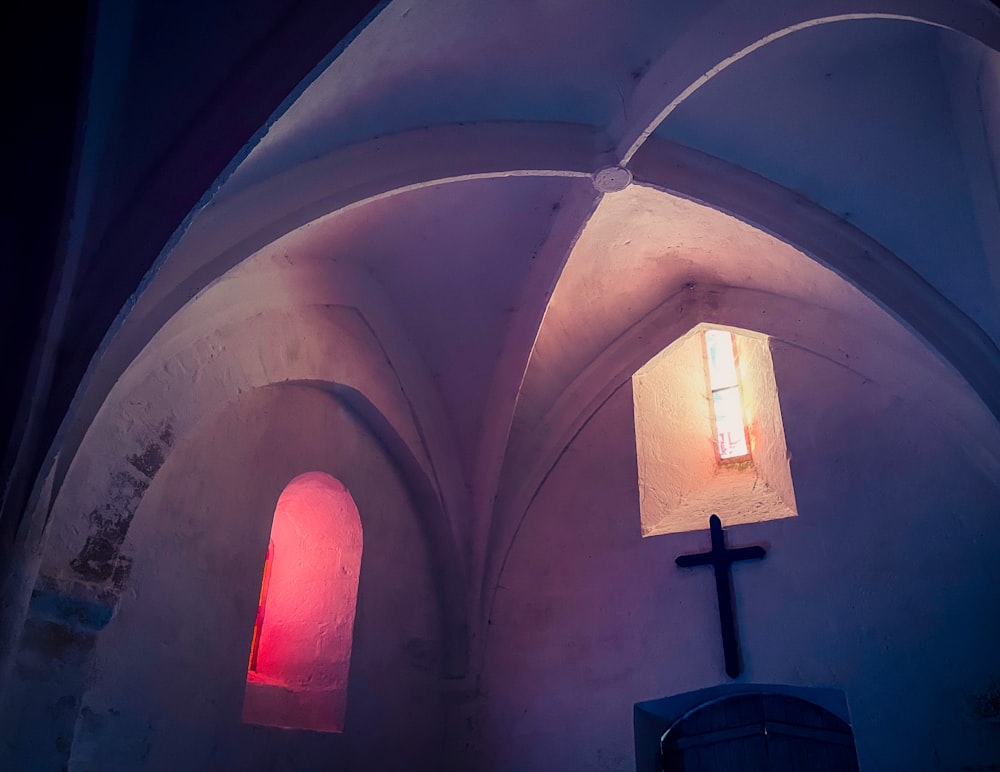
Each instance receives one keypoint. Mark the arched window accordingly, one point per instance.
(301, 648)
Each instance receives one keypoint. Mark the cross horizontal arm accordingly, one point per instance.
(699, 559)
(745, 553)
(725, 556)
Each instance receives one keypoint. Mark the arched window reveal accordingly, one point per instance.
(300, 652)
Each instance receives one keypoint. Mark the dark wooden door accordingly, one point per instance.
(759, 733)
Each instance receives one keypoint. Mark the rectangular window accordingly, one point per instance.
(727, 402)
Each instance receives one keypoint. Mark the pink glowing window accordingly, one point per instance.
(300, 652)
(727, 401)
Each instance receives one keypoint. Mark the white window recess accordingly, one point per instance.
(705, 447)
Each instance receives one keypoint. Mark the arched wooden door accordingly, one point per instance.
(759, 733)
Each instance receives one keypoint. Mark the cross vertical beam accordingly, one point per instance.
(721, 559)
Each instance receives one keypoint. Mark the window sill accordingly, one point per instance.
(268, 703)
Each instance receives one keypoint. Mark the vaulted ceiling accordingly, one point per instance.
(524, 202)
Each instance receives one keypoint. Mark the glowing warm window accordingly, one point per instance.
(300, 654)
(727, 401)
(685, 471)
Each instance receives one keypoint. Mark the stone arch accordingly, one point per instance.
(512, 150)
(445, 154)
(217, 239)
(819, 234)
(768, 207)
(134, 436)
(198, 540)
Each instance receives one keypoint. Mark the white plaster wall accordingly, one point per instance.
(859, 117)
(642, 250)
(170, 671)
(761, 400)
(884, 586)
(673, 429)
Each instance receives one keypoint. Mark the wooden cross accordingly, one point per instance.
(722, 558)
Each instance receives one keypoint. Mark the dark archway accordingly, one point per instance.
(746, 727)
(759, 732)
